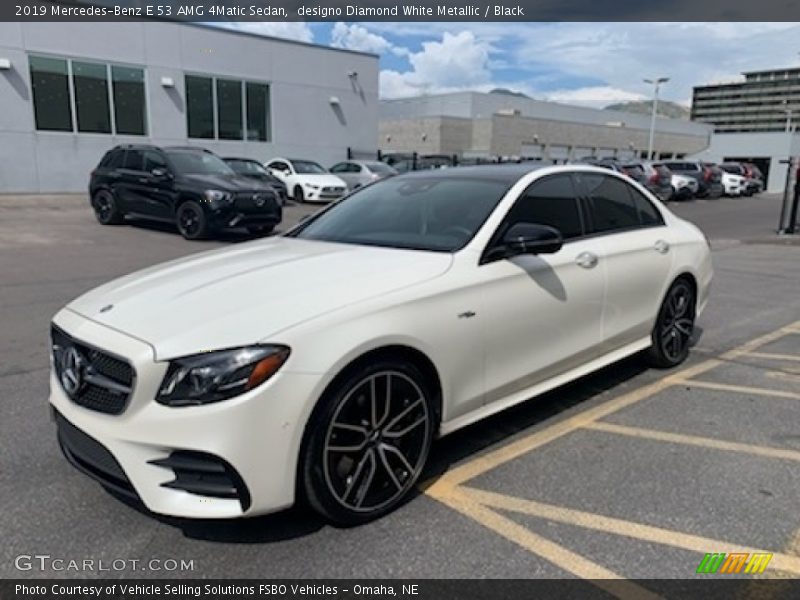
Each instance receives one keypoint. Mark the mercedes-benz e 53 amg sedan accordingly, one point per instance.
(324, 362)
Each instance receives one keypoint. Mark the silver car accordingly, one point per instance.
(357, 173)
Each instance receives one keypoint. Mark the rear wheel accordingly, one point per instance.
(368, 442)
(298, 195)
(191, 221)
(674, 326)
(106, 209)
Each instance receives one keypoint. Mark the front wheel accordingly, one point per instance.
(298, 195)
(674, 326)
(368, 442)
(191, 221)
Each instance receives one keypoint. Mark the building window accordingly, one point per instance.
(63, 88)
(129, 113)
(51, 102)
(200, 107)
(258, 126)
(90, 81)
(227, 109)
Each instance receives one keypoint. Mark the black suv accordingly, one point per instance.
(252, 169)
(190, 187)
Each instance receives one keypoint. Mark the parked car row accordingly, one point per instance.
(202, 193)
(686, 179)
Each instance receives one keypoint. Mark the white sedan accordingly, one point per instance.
(325, 361)
(307, 181)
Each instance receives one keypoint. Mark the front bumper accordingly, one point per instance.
(258, 434)
(322, 195)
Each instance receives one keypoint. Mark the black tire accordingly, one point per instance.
(106, 209)
(370, 472)
(260, 229)
(674, 326)
(191, 221)
(298, 195)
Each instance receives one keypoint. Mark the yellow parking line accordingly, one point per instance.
(771, 356)
(530, 442)
(555, 553)
(694, 440)
(756, 343)
(631, 529)
(741, 389)
(784, 376)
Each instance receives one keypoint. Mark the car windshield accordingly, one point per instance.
(307, 167)
(423, 213)
(198, 163)
(734, 169)
(247, 167)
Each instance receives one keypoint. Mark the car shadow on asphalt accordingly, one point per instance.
(231, 236)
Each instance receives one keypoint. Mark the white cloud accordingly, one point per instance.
(622, 54)
(297, 31)
(456, 62)
(358, 37)
(596, 96)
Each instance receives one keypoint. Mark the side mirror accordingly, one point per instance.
(532, 238)
(160, 173)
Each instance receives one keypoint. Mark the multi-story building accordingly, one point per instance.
(764, 101)
(71, 91)
(754, 120)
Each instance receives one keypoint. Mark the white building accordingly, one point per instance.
(71, 91)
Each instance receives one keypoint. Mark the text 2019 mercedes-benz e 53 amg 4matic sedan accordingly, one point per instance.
(324, 361)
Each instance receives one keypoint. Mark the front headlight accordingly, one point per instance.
(214, 376)
(217, 197)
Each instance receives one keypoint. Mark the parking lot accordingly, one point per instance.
(629, 473)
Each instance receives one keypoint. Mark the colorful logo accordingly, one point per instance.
(735, 562)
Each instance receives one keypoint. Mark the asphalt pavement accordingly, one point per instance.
(629, 472)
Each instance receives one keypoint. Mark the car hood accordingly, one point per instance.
(226, 183)
(321, 179)
(250, 292)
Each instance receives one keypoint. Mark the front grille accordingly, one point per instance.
(91, 457)
(333, 190)
(91, 377)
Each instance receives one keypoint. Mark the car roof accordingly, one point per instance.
(241, 158)
(507, 173)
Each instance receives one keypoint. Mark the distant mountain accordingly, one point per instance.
(645, 107)
(507, 92)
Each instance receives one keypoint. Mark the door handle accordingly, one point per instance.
(144, 180)
(661, 247)
(587, 260)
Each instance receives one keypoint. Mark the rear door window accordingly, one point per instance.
(611, 205)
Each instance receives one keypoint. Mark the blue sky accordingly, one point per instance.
(592, 64)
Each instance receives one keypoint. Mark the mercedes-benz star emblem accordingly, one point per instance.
(72, 365)
(259, 200)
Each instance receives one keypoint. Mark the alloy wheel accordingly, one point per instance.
(677, 321)
(376, 443)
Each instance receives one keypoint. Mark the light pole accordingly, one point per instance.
(788, 112)
(656, 83)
